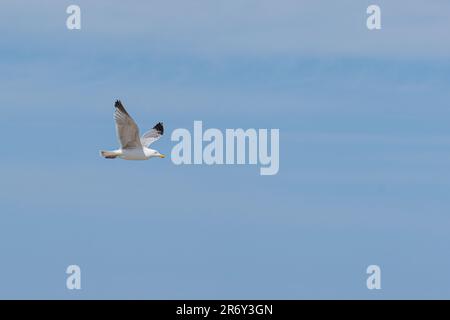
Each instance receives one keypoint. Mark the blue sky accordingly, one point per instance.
(364, 150)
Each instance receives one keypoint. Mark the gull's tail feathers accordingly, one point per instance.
(109, 154)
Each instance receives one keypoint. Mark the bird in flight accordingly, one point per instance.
(133, 147)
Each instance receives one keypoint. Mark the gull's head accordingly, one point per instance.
(159, 155)
(149, 153)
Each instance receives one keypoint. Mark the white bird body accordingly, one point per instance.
(143, 153)
(133, 147)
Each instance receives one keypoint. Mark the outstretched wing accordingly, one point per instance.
(126, 129)
(152, 135)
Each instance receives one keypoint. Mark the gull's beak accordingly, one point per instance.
(162, 156)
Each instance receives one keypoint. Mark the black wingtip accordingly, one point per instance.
(159, 127)
(118, 104)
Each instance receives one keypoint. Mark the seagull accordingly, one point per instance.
(133, 147)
